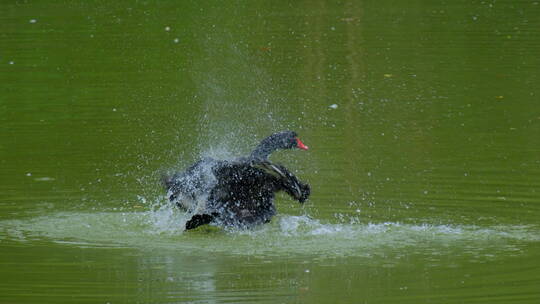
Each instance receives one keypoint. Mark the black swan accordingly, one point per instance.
(240, 192)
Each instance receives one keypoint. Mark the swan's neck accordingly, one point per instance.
(264, 149)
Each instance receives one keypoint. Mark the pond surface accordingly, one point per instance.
(422, 120)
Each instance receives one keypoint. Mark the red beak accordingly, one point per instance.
(300, 144)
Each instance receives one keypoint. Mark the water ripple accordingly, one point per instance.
(300, 235)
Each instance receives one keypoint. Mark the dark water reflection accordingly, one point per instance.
(421, 118)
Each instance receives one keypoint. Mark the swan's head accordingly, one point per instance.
(277, 141)
(284, 140)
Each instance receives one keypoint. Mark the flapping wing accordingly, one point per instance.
(288, 181)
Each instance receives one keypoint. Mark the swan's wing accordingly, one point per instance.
(288, 181)
(277, 171)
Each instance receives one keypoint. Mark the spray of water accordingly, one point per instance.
(162, 228)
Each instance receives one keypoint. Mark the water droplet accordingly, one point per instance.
(44, 179)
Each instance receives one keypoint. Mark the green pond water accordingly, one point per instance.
(422, 118)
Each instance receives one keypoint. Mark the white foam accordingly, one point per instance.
(163, 228)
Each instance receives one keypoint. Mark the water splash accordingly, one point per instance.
(162, 228)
